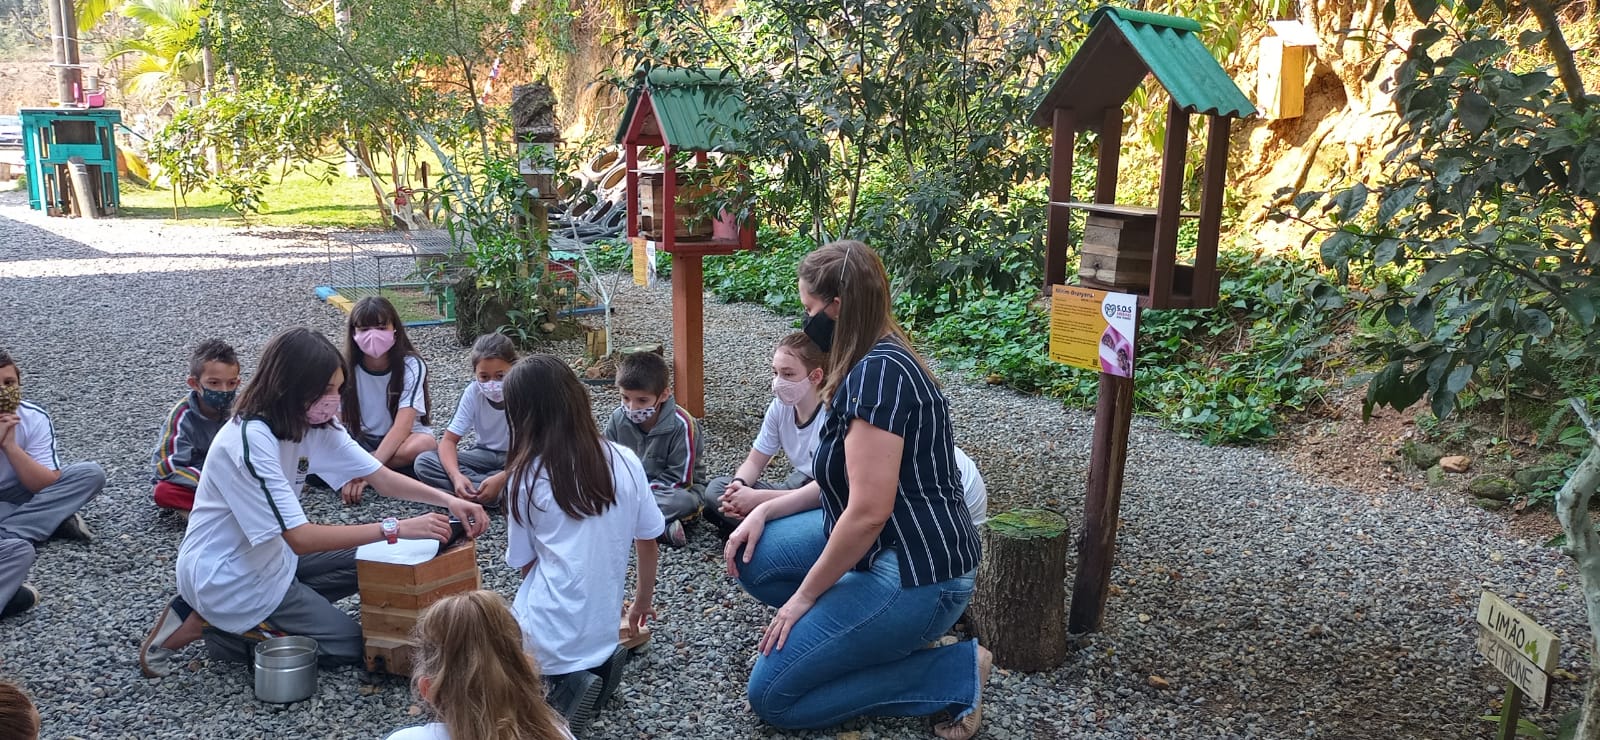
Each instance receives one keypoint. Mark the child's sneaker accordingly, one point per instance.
(610, 673)
(74, 528)
(576, 696)
(675, 536)
(155, 661)
(24, 599)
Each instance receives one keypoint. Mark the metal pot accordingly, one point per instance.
(286, 669)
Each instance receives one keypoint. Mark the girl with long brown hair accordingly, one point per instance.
(887, 565)
(385, 400)
(469, 668)
(577, 502)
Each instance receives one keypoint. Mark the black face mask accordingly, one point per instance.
(819, 326)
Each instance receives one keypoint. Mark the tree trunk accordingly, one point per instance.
(1572, 508)
(1019, 606)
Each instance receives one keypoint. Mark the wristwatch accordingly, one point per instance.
(391, 529)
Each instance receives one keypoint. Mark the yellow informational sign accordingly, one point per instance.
(644, 261)
(1093, 329)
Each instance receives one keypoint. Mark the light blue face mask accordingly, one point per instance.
(639, 416)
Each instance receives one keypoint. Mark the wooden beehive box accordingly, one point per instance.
(653, 208)
(1281, 69)
(1116, 251)
(394, 596)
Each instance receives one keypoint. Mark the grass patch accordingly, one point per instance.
(296, 200)
(414, 304)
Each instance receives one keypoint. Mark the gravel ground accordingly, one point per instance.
(1273, 605)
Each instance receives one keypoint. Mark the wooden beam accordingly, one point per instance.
(1105, 175)
(688, 334)
(1211, 194)
(1113, 414)
(1063, 136)
(630, 189)
(1169, 206)
(669, 199)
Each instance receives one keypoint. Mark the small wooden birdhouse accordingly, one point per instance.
(1133, 248)
(1281, 69)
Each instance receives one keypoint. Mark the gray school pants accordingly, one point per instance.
(476, 463)
(16, 557)
(307, 610)
(35, 516)
(713, 506)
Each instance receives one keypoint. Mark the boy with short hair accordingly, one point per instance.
(39, 499)
(666, 438)
(191, 424)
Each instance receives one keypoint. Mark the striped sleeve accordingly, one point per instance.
(411, 395)
(39, 437)
(266, 507)
(173, 453)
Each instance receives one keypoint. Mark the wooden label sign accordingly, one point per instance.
(1537, 644)
(1522, 672)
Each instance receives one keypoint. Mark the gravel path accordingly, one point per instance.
(1273, 606)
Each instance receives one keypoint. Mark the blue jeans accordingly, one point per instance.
(860, 650)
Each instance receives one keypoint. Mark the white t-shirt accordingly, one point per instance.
(37, 437)
(372, 390)
(570, 603)
(476, 414)
(973, 491)
(780, 430)
(234, 566)
(437, 731)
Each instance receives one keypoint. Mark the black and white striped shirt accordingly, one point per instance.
(931, 527)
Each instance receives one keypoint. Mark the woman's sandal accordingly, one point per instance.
(967, 726)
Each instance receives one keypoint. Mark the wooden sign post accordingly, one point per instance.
(1522, 651)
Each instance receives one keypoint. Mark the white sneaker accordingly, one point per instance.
(155, 661)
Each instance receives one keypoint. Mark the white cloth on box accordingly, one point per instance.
(570, 602)
(234, 566)
(781, 430)
(475, 414)
(372, 390)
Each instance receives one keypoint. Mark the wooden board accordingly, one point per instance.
(1514, 665)
(448, 565)
(1118, 209)
(388, 656)
(1540, 646)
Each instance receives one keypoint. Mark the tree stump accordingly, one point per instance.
(1019, 605)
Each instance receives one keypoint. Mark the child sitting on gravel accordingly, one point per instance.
(790, 424)
(477, 473)
(385, 398)
(469, 668)
(252, 565)
(39, 499)
(191, 424)
(576, 503)
(665, 437)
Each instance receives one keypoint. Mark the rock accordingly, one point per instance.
(1530, 477)
(1495, 487)
(1455, 463)
(1436, 476)
(1158, 682)
(1421, 455)
(1488, 504)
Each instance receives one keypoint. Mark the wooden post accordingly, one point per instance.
(688, 332)
(1510, 712)
(1105, 175)
(1113, 414)
(1205, 253)
(1018, 609)
(1058, 226)
(1169, 207)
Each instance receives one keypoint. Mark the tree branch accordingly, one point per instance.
(1556, 43)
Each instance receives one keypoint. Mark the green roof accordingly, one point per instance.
(696, 109)
(1122, 47)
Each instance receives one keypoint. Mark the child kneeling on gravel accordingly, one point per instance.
(576, 505)
(665, 437)
(191, 424)
(790, 425)
(478, 473)
(39, 499)
(252, 566)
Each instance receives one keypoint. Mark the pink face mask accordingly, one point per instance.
(324, 410)
(375, 342)
(791, 392)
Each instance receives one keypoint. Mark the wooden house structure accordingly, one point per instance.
(681, 111)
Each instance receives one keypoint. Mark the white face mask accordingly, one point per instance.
(493, 390)
(791, 392)
(639, 416)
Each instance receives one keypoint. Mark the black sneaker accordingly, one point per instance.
(24, 599)
(576, 697)
(74, 528)
(610, 673)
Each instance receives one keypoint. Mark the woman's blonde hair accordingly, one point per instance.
(482, 685)
(852, 272)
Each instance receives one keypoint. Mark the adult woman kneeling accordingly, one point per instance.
(886, 567)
